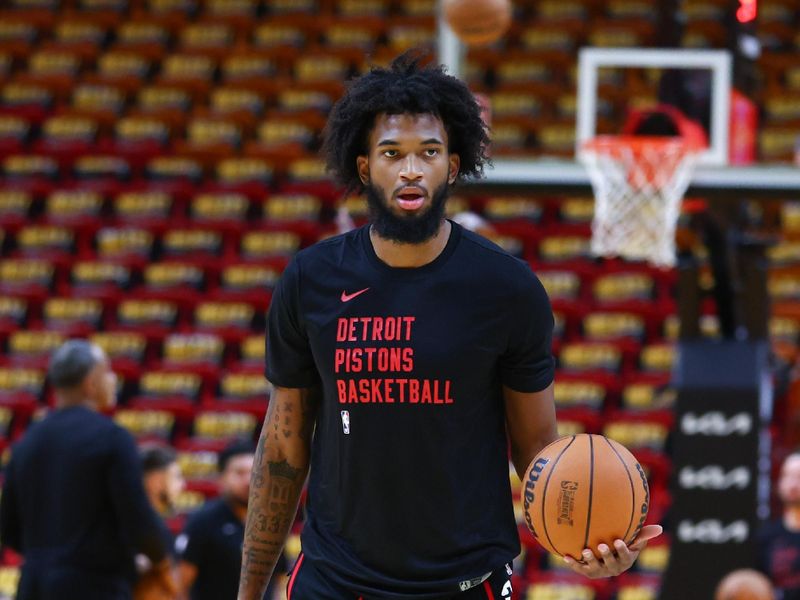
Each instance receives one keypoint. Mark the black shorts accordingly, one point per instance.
(307, 583)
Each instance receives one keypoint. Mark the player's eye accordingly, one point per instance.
(390, 153)
(431, 152)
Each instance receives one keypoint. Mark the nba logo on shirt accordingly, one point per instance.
(346, 421)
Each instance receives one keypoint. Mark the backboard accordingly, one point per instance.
(718, 62)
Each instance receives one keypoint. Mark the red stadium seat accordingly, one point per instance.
(149, 209)
(128, 245)
(14, 133)
(54, 243)
(176, 281)
(143, 36)
(210, 39)
(247, 391)
(223, 211)
(230, 320)
(14, 313)
(199, 465)
(66, 137)
(224, 425)
(15, 209)
(21, 392)
(238, 14)
(576, 393)
(190, 72)
(105, 281)
(33, 348)
(122, 68)
(32, 279)
(73, 316)
(199, 246)
(76, 208)
(251, 283)
(240, 104)
(172, 390)
(200, 353)
(146, 424)
(154, 319)
(258, 245)
(252, 353)
(127, 351)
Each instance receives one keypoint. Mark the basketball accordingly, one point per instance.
(744, 584)
(478, 22)
(583, 490)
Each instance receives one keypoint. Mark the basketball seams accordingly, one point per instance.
(544, 494)
(630, 480)
(591, 490)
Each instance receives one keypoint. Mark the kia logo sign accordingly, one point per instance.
(713, 531)
(715, 423)
(714, 477)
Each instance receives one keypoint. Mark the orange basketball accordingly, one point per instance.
(583, 490)
(478, 22)
(744, 584)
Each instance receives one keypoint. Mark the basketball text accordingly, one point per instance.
(533, 476)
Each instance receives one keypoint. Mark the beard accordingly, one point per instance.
(406, 229)
(235, 500)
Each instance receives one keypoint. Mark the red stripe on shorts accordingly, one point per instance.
(488, 588)
(294, 576)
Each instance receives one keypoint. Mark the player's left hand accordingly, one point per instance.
(607, 562)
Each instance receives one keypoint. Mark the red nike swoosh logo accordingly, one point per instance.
(347, 297)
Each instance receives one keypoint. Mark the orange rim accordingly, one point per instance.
(638, 143)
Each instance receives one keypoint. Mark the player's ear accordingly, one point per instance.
(455, 164)
(362, 165)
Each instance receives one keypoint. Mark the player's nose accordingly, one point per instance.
(411, 169)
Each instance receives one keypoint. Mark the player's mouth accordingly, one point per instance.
(410, 198)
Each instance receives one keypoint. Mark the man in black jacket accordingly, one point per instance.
(73, 503)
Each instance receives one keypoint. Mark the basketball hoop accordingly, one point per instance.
(638, 184)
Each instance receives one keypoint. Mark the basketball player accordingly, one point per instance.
(779, 540)
(405, 355)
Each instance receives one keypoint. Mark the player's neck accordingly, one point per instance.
(791, 517)
(397, 254)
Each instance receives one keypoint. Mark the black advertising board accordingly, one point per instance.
(718, 446)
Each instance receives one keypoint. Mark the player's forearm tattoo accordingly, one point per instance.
(279, 471)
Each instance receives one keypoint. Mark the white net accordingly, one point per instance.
(638, 185)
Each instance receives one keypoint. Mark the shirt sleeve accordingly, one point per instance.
(289, 361)
(10, 534)
(138, 521)
(528, 364)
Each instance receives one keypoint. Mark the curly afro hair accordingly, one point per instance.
(406, 86)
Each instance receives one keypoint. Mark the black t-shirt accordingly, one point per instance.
(212, 541)
(779, 558)
(409, 489)
(73, 497)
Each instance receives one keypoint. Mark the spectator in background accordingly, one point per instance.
(163, 482)
(163, 478)
(210, 546)
(474, 222)
(73, 503)
(779, 540)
